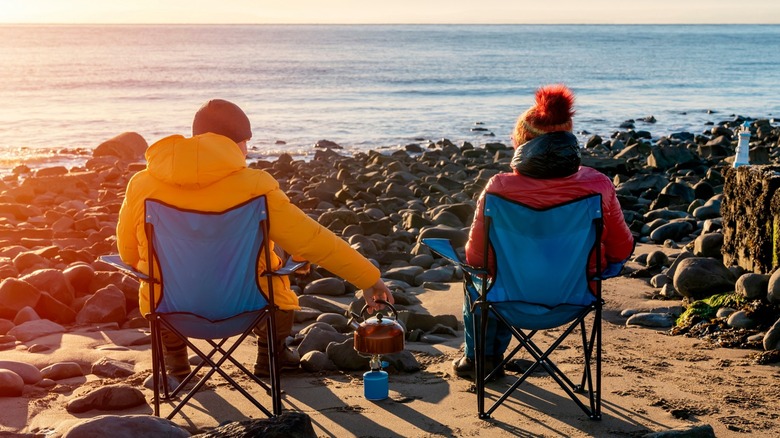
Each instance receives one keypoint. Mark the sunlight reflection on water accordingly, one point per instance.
(369, 86)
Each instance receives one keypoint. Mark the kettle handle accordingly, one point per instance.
(395, 314)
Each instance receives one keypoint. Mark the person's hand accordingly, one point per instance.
(378, 291)
(303, 270)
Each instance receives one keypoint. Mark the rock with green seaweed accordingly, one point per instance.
(706, 309)
(700, 321)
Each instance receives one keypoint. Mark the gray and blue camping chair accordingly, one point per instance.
(208, 288)
(541, 282)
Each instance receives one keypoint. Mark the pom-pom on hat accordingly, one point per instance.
(552, 112)
(224, 118)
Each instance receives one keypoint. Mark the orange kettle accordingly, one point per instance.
(378, 334)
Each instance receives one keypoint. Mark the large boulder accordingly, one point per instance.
(665, 157)
(29, 374)
(113, 369)
(752, 286)
(52, 281)
(35, 329)
(125, 426)
(107, 398)
(62, 370)
(675, 230)
(79, 276)
(286, 425)
(406, 274)
(708, 245)
(318, 340)
(128, 146)
(773, 288)
(11, 385)
(345, 357)
(772, 337)
(325, 286)
(701, 277)
(106, 305)
(15, 295)
(51, 308)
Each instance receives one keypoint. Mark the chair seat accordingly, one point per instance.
(535, 317)
(194, 326)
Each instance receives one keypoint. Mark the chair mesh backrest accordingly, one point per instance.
(542, 255)
(208, 261)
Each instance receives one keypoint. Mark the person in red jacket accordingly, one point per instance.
(545, 171)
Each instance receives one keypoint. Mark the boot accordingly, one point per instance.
(466, 367)
(288, 358)
(177, 363)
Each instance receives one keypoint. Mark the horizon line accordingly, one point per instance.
(389, 23)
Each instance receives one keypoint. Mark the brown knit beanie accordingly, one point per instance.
(224, 118)
(552, 112)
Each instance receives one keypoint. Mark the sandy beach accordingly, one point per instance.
(651, 382)
(57, 222)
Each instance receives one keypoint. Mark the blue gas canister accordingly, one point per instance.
(375, 385)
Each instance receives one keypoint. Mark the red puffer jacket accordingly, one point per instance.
(616, 240)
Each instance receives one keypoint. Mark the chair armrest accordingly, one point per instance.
(289, 267)
(115, 261)
(613, 270)
(443, 247)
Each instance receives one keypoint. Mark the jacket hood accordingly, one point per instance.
(553, 155)
(194, 162)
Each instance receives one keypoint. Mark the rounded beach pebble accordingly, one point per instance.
(11, 385)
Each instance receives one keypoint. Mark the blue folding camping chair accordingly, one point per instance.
(203, 277)
(541, 282)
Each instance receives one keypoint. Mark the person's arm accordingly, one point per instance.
(301, 235)
(475, 247)
(126, 226)
(617, 238)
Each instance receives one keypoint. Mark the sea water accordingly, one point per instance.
(70, 87)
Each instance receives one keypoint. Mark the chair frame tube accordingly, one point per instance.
(590, 380)
(157, 321)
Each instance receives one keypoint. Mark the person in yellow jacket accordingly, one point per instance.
(208, 172)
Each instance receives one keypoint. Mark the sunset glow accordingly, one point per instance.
(401, 11)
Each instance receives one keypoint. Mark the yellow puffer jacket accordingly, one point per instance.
(208, 172)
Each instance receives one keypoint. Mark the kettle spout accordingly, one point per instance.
(353, 321)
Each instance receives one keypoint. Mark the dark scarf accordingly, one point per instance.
(553, 155)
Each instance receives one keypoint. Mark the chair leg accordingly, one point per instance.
(273, 353)
(215, 366)
(592, 377)
(156, 365)
(542, 360)
(597, 328)
(479, 357)
(587, 349)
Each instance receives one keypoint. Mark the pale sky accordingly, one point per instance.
(389, 11)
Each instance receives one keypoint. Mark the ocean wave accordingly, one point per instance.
(370, 86)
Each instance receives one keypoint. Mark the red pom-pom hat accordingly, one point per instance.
(552, 112)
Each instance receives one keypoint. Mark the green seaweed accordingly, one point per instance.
(707, 308)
